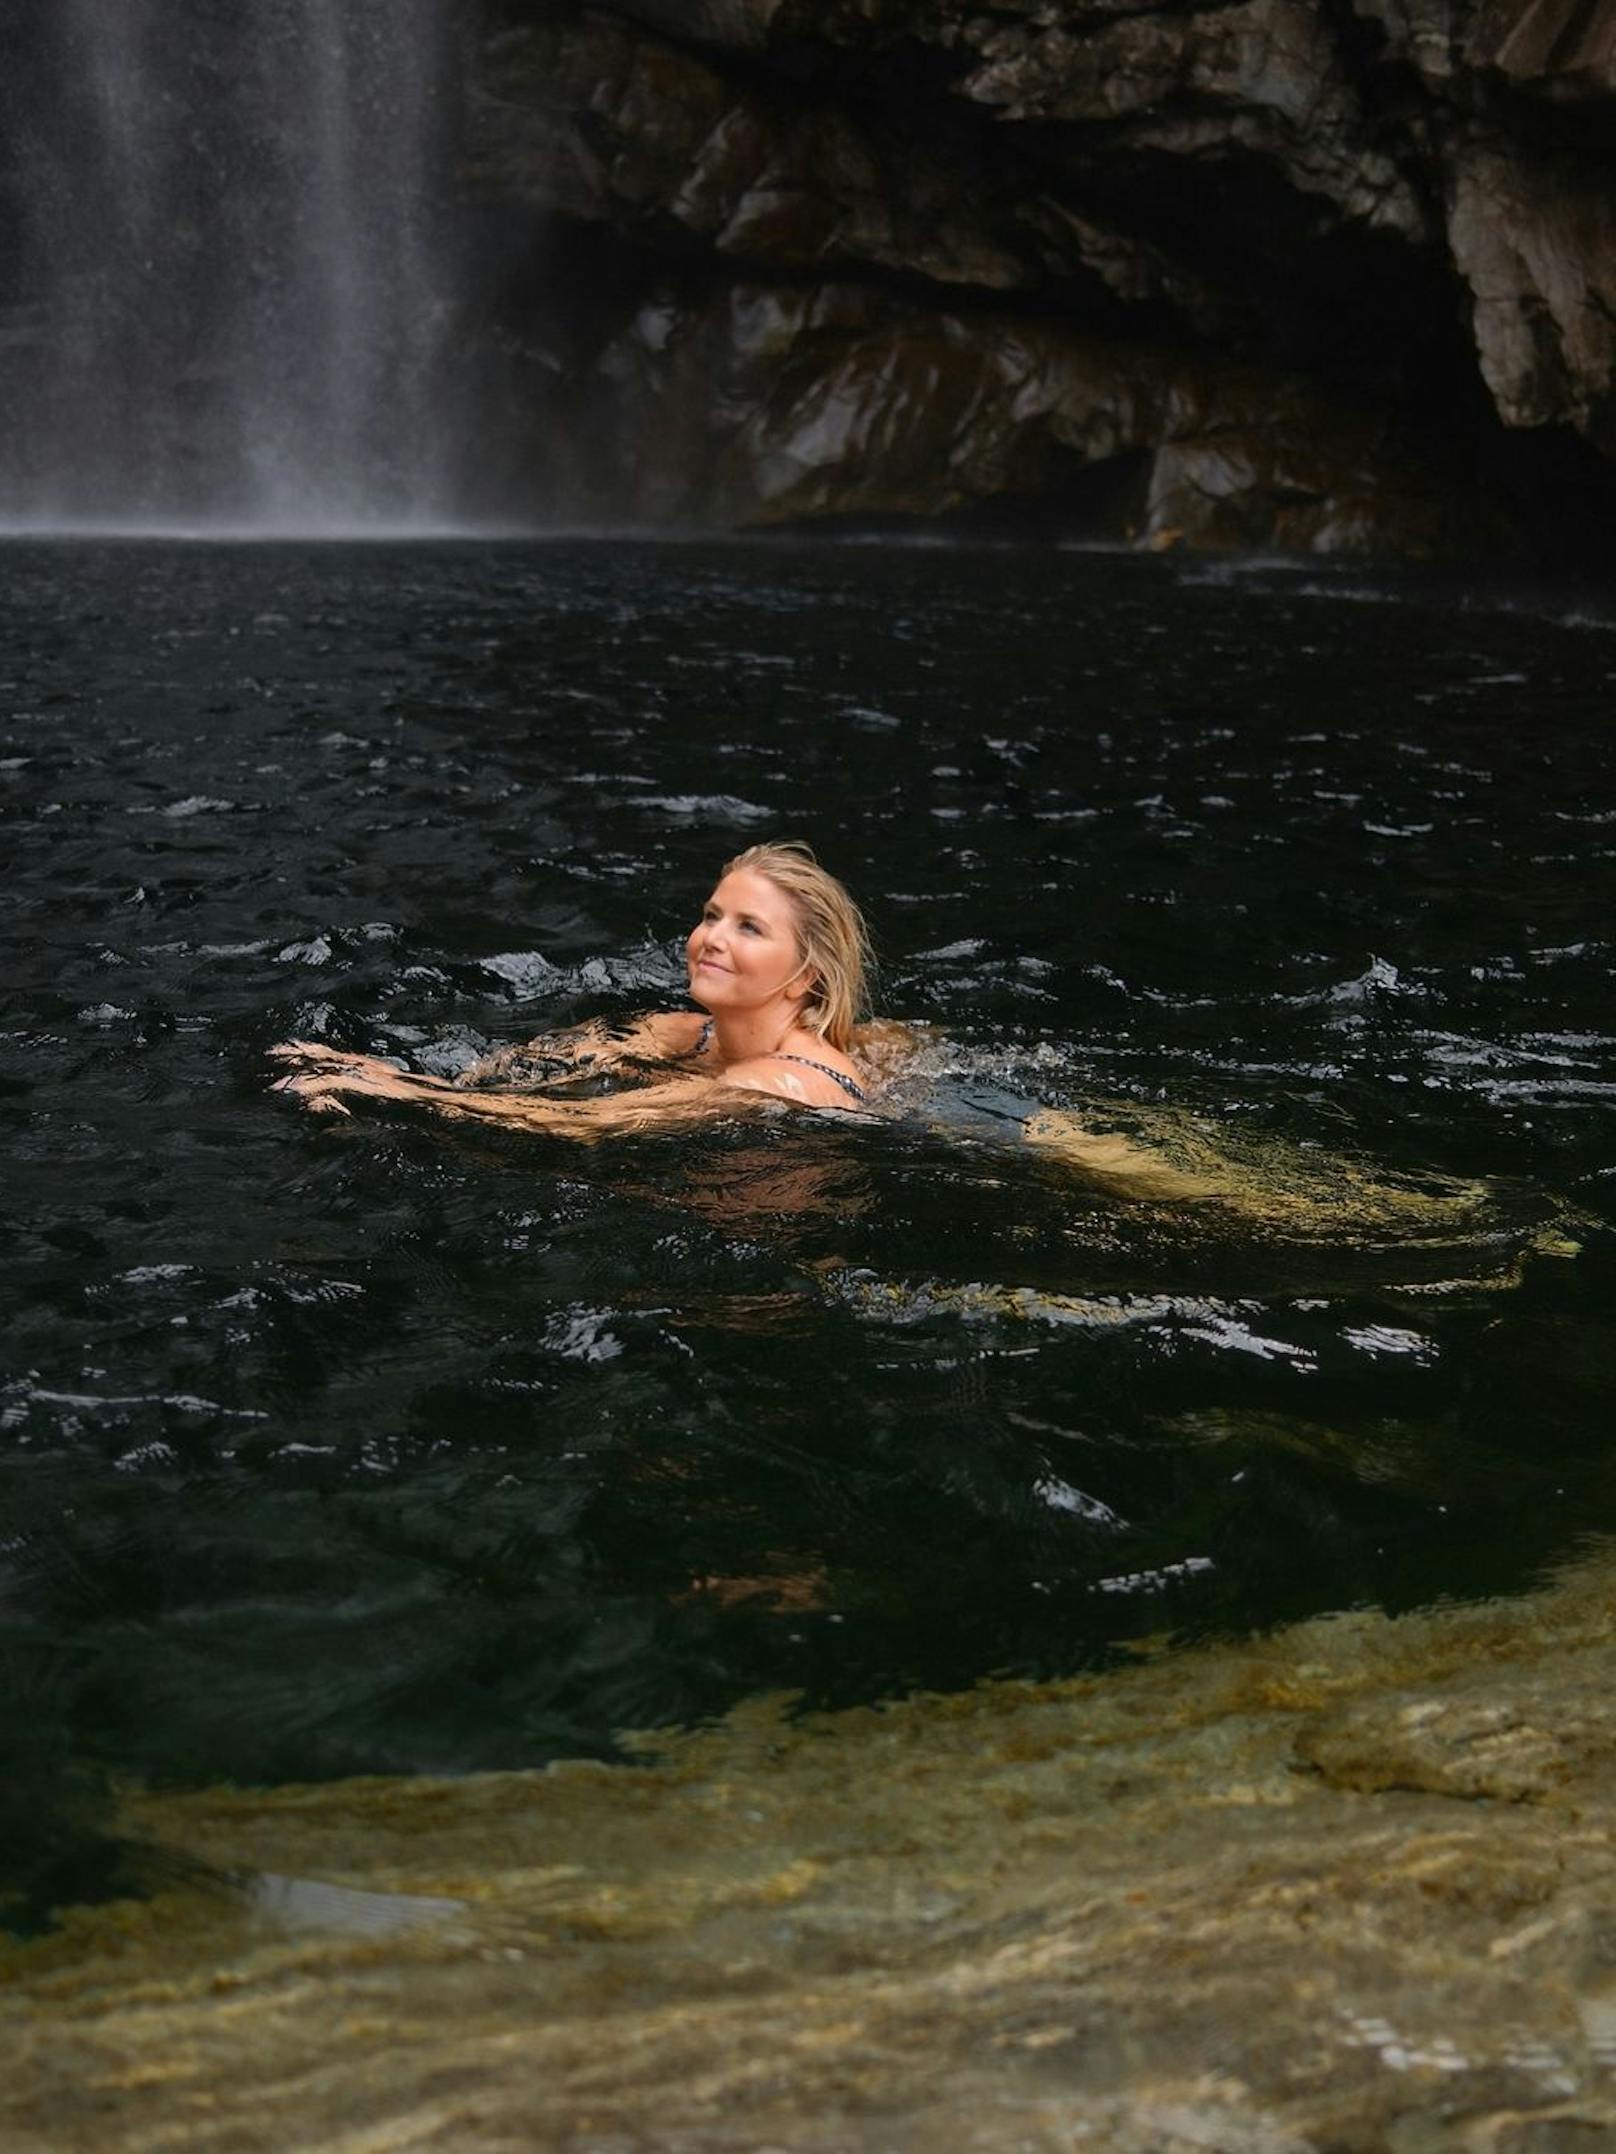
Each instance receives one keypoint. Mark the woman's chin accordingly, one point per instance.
(710, 985)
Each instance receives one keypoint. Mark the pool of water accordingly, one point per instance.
(380, 1447)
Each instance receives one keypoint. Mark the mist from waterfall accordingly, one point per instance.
(236, 297)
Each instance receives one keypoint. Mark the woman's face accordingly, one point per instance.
(743, 952)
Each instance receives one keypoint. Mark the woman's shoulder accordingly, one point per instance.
(807, 1067)
(783, 1076)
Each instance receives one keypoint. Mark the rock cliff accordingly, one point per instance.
(1315, 274)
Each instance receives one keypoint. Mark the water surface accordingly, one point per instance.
(387, 1448)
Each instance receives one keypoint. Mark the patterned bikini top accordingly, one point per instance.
(855, 1092)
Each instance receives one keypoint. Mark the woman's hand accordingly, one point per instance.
(322, 1075)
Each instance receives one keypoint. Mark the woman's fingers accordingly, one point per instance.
(317, 1094)
(307, 1051)
(366, 1069)
(326, 1065)
(361, 1076)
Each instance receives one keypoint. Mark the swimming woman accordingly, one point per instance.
(777, 962)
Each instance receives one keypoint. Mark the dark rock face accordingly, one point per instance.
(1321, 274)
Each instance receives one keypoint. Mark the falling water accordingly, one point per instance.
(233, 298)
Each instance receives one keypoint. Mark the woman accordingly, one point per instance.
(777, 962)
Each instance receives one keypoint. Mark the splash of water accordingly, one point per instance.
(235, 296)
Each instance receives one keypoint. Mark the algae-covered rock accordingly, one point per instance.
(1467, 1741)
(1352, 1886)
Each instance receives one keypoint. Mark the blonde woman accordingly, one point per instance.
(776, 961)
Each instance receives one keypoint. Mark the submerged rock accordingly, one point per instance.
(1351, 1886)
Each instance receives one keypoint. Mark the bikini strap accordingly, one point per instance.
(852, 1090)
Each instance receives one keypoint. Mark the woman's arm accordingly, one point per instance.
(594, 1045)
(324, 1080)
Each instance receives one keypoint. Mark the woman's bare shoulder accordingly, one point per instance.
(771, 1074)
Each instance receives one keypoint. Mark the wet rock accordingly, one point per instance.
(1469, 1743)
(1562, 49)
(599, 121)
(1398, 207)
(734, 25)
(1264, 80)
(1532, 240)
(1226, 1900)
(773, 404)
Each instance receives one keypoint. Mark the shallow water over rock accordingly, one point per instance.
(1347, 1887)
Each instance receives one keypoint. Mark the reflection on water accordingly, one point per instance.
(385, 1448)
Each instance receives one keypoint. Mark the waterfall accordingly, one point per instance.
(231, 302)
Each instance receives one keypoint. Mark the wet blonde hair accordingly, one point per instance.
(831, 935)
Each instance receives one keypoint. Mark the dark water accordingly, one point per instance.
(383, 1447)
